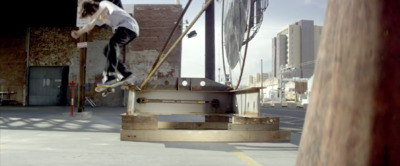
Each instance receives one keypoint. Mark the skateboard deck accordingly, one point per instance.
(107, 89)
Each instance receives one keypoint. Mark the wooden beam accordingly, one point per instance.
(139, 122)
(353, 117)
(255, 120)
(82, 75)
(193, 125)
(254, 127)
(217, 118)
(204, 136)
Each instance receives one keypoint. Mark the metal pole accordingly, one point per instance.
(262, 79)
(210, 42)
(281, 90)
(72, 85)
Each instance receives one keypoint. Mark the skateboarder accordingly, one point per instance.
(116, 2)
(125, 29)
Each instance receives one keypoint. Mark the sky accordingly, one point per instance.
(278, 14)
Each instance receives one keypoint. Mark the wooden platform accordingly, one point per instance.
(147, 128)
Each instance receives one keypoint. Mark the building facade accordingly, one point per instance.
(296, 46)
(279, 52)
(257, 80)
(37, 63)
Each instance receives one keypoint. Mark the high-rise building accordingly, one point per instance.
(296, 46)
(279, 52)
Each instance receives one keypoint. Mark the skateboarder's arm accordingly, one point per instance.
(89, 26)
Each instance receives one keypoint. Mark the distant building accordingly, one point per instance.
(267, 82)
(296, 46)
(255, 80)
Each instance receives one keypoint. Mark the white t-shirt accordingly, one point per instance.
(117, 17)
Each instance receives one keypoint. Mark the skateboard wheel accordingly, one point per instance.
(110, 90)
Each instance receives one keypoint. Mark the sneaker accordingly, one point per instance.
(129, 77)
(108, 80)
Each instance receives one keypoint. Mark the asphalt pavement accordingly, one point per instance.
(49, 136)
(290, 119)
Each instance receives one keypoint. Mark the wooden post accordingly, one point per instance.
(82, 75)
(353, 117)
(130, 103)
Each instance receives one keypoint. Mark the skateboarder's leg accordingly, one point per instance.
(121, 37)
(121, 68)
(109, 75)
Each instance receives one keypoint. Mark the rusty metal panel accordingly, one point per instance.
(163, 84)
(187, 84)
(204, 84)
(168, 102)
(184, 84)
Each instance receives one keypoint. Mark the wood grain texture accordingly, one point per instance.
(353, 116)
(204, 136)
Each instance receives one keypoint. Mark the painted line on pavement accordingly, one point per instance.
(246, 158)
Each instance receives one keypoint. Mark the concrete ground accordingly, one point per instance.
(49, 136)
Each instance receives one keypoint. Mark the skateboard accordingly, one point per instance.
(107, 89)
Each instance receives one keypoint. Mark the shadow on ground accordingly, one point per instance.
(58, 119)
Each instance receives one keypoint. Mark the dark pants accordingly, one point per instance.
(121, 37)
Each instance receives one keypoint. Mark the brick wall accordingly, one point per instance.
(13, 64)
(156, 23)
(51, 46)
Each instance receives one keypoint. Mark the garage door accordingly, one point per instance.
(48, 85)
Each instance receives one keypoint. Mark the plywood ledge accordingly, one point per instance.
(204, 136)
